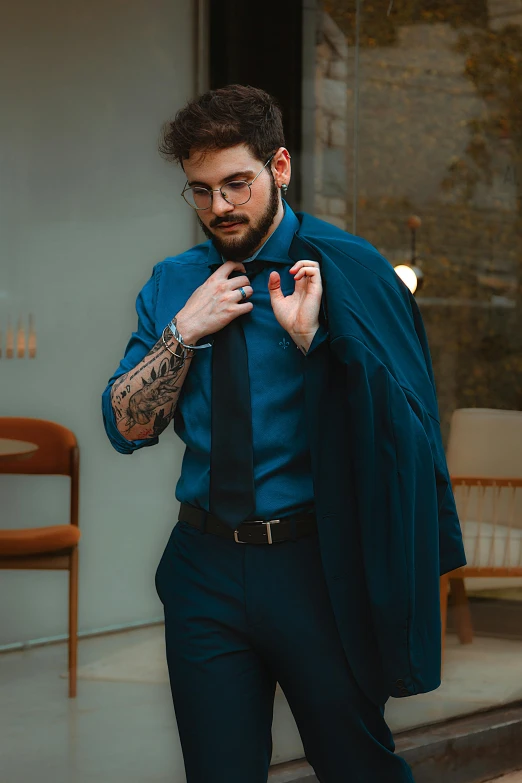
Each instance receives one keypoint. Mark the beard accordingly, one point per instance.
(239, 249)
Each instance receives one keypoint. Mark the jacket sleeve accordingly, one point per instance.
(320, 336)
(398, 498)
(139, 345)
(451, 545)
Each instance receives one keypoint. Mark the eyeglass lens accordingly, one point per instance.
(235, 193)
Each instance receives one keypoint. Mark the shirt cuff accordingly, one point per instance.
(117, 440)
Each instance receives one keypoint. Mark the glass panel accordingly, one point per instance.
(418, 148)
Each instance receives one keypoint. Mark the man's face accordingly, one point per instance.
(236, 231)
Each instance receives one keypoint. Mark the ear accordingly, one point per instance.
(281, 167)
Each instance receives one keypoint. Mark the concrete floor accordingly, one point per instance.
(125, 732)
(113, 732)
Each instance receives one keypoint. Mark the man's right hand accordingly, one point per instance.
(215, 303)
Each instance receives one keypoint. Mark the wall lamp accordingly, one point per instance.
(411, 274)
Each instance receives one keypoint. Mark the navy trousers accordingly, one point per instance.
(238, 619)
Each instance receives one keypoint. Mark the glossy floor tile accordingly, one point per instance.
(125, 731)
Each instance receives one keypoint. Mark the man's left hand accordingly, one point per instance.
(298, 313)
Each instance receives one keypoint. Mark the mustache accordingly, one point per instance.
(236, 219)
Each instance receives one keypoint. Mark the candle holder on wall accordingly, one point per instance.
(9, 343)
(31, 340)
(20, 339)
(22, 343)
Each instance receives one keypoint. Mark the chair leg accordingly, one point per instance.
(73, 622)
(444, 586)
(462, 612)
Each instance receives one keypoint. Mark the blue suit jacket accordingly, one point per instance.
(388, 524)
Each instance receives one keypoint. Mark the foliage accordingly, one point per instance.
(380, 19)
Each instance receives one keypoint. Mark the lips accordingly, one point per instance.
(229, 225)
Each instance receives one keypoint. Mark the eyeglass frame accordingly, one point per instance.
(211, 191)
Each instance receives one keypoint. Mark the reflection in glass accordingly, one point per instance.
(423, 117)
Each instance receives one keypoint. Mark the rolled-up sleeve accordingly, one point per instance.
(139, 345)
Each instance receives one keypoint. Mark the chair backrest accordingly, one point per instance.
(485, 442)
(57, 447)
(484, 458)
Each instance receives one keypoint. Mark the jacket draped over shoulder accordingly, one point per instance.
(394, 489)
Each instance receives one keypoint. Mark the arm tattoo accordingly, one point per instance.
(151, 406)
(151, 358)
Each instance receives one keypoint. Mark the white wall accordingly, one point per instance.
(87, 206)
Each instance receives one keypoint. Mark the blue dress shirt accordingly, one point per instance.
(282, 467)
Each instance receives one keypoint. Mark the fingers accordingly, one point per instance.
(304, 268)
(247, 289)
(226, 268)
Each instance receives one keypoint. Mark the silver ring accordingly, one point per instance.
(243, 295)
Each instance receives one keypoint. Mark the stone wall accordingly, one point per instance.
(416, 119)
(331, 138)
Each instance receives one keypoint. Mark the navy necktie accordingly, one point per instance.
(232, 491)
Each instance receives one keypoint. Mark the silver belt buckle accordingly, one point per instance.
(268, 530)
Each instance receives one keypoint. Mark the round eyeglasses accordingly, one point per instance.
(236, 193)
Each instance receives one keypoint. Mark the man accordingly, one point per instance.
(282, 566)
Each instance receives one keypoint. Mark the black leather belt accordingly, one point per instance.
(263, 532)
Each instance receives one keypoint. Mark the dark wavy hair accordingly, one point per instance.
(236, 114)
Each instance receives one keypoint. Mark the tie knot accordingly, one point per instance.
(252, 268)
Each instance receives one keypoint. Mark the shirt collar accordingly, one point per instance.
(276, 246)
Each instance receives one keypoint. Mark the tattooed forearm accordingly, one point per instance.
(150, 359)
(144, 399)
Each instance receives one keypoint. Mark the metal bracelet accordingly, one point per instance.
(174, 331)
(180, 357)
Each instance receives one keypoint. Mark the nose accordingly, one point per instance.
(220, 206)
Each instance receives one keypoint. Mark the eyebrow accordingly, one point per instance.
(237, 175)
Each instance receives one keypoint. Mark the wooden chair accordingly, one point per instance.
(54, 547)
(485, 463)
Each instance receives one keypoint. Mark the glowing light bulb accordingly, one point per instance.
(408, 276)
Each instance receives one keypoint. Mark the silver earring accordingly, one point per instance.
(284, 188)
